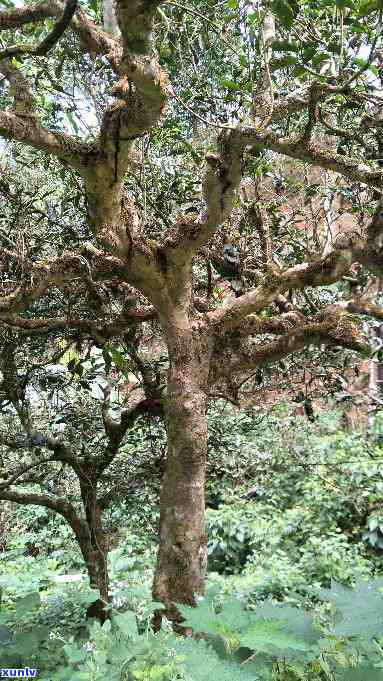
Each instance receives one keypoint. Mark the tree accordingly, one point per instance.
(292, 86)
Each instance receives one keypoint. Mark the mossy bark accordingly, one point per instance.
(181, 563)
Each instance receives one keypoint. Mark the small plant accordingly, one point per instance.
(228, 543)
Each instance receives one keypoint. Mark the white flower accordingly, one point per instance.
(89, 646)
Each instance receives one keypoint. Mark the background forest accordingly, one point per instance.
(191, 422)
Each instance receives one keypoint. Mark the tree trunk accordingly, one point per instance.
(98, 572)
(95, 548)
(182, 554)
(109, 17)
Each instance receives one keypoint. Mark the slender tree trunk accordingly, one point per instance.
(96, 564)
(109, 17)
(376, 380)
(182, 554)
(95, 547)
(97, 569)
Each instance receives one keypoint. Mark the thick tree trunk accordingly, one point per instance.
(182, 554)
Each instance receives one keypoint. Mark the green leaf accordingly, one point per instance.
(118, 359)
(341, 4)
(285, 10)
(229, 84)
(74, 654)
(5, 634)
(308, 53)
(231, 618)
(360, 609)
(285, 46)
(27, 643)
(320, 57)
(363, 62)
(288, 60)
(127, 623)
(297, 632)
(363, 673)
(201, 663)
(72, 120)
(272, 637)
(106, 627)
(369, 6)
(28, 602)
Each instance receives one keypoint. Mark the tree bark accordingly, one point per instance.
(95, 547)
(182, 554)
(109, 17)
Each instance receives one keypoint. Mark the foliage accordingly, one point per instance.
(269, 642)
(293, 536)
(306, 648)
(295, 513)
(229, 537)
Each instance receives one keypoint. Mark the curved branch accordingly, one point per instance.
(331, 327)
(93, 38)
(142, 94)
(21, 16)
(39, 277)
(58, 504)
(100, 332)
(257, 326)
(116, 430)
(59, 28)
(297, 148)
(327, 270)
(23, 469)
(27, 129)
(360, 306)
(24, 102)
(220, 183)
(51, 39)
(23, 125)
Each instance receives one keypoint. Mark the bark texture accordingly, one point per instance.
(182, 557)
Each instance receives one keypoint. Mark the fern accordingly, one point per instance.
(274, 642)
(275, 634)
(300, 625)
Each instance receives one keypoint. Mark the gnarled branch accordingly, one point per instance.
(331, 327)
